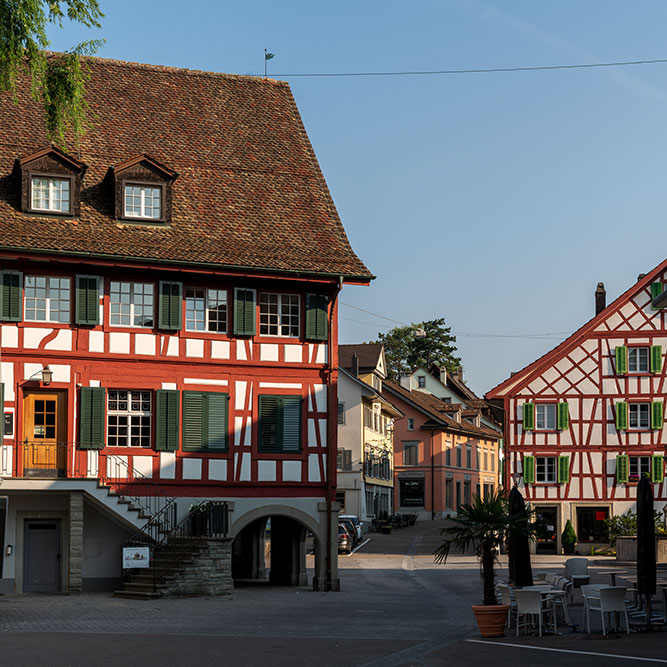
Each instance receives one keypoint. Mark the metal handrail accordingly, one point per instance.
(141, 491)
(171, 548)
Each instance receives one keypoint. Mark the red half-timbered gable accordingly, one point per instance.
(168, 321)
(585, 421)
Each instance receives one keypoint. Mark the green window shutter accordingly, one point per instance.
(622, 416)
(656, 358)
(166, 420)
(291, 423)
(245, 315)
(563, 469)
(563, 417)
(217, 421)
(92, 429)
(317, 324)
(87, 300)
(528, 416)
(656, 414)
(270, 436)
(656, 291)
(622, 469)
(195, 419)
(528, 469)
(170, 310)
(621, 360)
(657, 469)
(11, 296)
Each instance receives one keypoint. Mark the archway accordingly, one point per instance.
(270, 546)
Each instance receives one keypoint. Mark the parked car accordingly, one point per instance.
(345, 540)
(359, 525)
(351, 528)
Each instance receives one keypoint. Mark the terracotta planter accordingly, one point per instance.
(491, 619)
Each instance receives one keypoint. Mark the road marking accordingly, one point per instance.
(366, 541)
(563, 650)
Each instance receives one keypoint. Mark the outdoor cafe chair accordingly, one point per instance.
(576, 570)
(611, 599)
(506, 598)
(529, 603)
(550, 578)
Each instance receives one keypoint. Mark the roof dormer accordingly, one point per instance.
(142, 188)
(51, 182)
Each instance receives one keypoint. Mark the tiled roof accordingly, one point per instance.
(436, 409)
(250, 193)
(368, 355)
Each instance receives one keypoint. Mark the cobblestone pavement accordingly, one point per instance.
(396, 608)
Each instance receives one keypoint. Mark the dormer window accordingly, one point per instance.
(51, 182)
(50, 194)
(143, 190)
(143, 201)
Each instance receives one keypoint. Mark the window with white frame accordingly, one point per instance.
(546, 469)
(638, 360)
(131, 304)
(638, 466)
(545, 416)
(421, 381)
(50, 194)
(47, 299)
(142, 201)
(639, 415)
(411, 424)
(128, 418)
(279, 314)
(205, 309)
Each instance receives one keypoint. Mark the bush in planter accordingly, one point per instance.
(483, 525)
(568, 538)
(625, 525)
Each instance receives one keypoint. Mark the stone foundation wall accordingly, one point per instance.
(209, 574)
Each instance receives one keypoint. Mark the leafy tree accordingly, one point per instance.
(57, 79)
(405, 351)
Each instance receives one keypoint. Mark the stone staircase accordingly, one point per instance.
(184, 566)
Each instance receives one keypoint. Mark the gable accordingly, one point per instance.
(572, 365)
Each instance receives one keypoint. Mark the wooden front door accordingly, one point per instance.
(45, 434)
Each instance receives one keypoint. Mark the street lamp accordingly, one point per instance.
(47, 375)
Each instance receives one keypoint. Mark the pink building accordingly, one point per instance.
(443, 455)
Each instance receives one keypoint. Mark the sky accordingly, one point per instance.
(497, 201)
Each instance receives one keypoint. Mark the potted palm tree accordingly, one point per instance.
(484, 525)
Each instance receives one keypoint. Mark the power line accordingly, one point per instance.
(485, 70)
(552, 335)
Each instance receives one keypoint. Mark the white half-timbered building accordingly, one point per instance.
(584, 422)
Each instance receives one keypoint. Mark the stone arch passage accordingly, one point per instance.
(288, 530)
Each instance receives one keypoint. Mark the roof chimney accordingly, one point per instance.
(443, 375)
(354, 365)
(600, 298)
(405, 381)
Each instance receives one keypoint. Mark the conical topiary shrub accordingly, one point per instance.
(568, 538)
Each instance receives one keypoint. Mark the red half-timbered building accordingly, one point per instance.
(168, 327)
(584, 422)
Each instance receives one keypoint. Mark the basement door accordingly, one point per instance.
(41, 556)
(44, 430)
